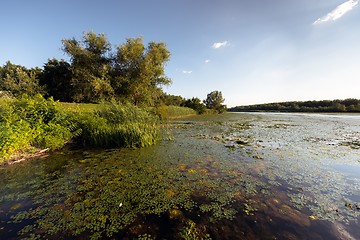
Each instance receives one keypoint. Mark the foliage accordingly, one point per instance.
(29, 123)
(56, 79)
(347, 105)
(139, 71)
(196, 104)
(171, 100)
(32, 123)
(214, 101)
(90, 67)
(19, 80)
(134, 73)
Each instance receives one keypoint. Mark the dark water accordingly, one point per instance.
(233, 176)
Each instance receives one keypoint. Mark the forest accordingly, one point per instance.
(347, 105)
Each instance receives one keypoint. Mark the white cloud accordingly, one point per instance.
(207, 60)
(220, 44)
(338, 12)
(186, 72)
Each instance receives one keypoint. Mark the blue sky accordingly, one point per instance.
(254, 51)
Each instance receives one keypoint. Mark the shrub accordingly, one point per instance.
(32, 123)
(29, 123)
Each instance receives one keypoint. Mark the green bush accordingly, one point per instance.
(29, 123)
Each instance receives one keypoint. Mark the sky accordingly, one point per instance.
(253, 51)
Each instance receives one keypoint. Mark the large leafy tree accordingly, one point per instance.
(19, 80)
(56, 78)
(90, 66)
(139, 71)
(215, 101)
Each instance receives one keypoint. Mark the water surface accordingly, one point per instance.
(232, 176)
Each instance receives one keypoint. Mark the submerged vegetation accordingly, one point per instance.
(274, 182)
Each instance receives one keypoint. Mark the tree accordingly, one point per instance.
(90, 67)
(214, 101)
(171, 100)
(139, 71)
(196, 104)
(56, 78)
(19, 80)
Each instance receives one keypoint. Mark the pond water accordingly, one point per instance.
(232, 176)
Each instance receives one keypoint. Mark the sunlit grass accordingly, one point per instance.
(78, 107)
(171, 112)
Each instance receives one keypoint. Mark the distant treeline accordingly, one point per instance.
(347, 105)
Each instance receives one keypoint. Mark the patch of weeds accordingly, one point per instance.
(192, 232)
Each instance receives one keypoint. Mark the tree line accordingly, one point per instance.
(347, 105)
(132, 72)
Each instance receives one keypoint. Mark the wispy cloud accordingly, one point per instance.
(207, 60)
(338, 12)
(220, 44)
(186, 72)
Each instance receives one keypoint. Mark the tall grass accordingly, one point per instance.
(118, 126)
(170, 112)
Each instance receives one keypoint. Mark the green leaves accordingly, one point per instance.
(32, 123)
(19, 80)
(139, 71)
(133, 73)
(214, 101)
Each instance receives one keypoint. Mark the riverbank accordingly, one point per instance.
(29, 126)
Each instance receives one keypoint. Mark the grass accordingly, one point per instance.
(78, 107)
(172, 112)
(29, 124)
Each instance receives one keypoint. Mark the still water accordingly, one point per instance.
(232, 176)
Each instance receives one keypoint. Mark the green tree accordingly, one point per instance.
(56, 78)
(90, 66)
(139, 71)
(19, 80)
(196, 104)
(215, 101)
(171, 100)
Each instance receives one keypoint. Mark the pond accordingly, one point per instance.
(230, 176)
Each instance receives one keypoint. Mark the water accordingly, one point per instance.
(232, 176)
